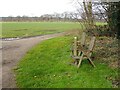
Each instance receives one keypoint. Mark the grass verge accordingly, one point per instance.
(47, 65)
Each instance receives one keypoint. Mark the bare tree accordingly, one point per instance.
(85, 14)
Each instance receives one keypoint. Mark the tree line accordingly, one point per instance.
(66, 16)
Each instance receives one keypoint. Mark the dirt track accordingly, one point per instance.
(13, 51)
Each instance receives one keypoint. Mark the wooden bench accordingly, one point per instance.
(80, 50)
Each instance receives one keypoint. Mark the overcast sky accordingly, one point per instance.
(34, 7)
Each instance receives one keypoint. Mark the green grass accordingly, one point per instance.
(47, 65)
(101, 23)
(25, 29)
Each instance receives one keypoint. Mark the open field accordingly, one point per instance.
(25, 29)
(48, 65)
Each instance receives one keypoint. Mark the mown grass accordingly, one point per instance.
(47, 65)
(26, 29)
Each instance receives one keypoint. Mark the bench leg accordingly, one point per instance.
(91, 61)
(80, 60)
(75, 62)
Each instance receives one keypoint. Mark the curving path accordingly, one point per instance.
(13, 51)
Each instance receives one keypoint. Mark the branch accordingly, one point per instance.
(102, 14)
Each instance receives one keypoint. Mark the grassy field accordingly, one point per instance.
(48, 66)
(25, 29)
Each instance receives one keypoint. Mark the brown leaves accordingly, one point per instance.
(106, 50)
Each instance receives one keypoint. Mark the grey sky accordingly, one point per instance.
(34, 7)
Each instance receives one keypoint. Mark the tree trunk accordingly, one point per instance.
(89, 15)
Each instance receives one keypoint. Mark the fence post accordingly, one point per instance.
(75, 46)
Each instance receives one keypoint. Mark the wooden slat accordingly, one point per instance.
(75, 57)
(92, 43)
(81, 43)
(83, 39)
(91, 46)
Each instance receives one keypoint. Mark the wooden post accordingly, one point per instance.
(75, 49)
(75, 46)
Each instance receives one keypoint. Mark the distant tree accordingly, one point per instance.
(25, 18)
(18, 18)
(10, 18)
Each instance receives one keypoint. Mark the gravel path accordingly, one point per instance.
(13, 51)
